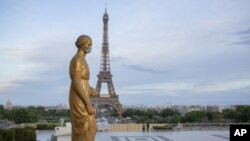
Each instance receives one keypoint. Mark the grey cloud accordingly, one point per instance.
(41, 91)
(145, 69)
(242, 42)
(118, 59)
(244, 37)
(243, 32)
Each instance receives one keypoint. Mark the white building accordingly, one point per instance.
(214, 108)
(8, 105)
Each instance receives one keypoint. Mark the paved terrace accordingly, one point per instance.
(164, 136)
(151, 136)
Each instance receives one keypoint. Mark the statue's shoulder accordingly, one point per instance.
(76, 60)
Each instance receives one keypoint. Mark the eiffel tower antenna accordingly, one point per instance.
(105, 7)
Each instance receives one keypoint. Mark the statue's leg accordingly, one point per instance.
(92, 129)
(78, 137)
(79, 119)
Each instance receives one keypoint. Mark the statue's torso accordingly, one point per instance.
(83, 67)
(84, 72)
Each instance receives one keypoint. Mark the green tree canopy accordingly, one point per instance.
(196, 116)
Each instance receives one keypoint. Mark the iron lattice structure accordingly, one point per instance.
(105, 75)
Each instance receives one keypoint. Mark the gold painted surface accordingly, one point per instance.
(81, 110)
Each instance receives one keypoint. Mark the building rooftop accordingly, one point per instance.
(5, 124)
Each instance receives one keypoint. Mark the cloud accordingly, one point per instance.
(177, 89)
(242, 42)
(32, 63)
(118, 59)
(244, 37)
(243, 32)
(223, 86)
(146, 69)
(8, 85)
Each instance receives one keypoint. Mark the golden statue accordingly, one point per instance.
(82, 114)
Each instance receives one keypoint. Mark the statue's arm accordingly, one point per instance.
(76, 82)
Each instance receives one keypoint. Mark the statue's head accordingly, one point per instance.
(84, 42)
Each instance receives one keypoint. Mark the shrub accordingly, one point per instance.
(7, 135)
(18, 134)
(46, 126)
(165, 127)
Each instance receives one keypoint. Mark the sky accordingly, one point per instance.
(184, 52)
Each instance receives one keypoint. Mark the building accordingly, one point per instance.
(8, 105)
(5, 124)
(214, 108)
(183, 109)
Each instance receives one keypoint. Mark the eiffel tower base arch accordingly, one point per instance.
(104, 106)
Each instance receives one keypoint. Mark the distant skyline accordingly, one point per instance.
(184, 52)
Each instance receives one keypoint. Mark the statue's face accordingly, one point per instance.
(87, 46)
(88, 43)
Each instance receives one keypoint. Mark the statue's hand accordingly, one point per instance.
(92, 91)
(90, 110)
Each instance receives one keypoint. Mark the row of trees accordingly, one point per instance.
(240, 114)
(40, 114)
(33, 114)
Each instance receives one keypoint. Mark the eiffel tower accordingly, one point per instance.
(103, 102)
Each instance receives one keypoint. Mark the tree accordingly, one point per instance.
(1, 112)
(195, 116)
(168, 112)
(151, 113)
(1, 116)
(243, 113)
(175, 119)
(229, 114)
(214, 116)
(21, 116)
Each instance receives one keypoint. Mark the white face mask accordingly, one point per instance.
(88, 50)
